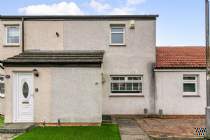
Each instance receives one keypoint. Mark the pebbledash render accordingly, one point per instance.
(74, 69)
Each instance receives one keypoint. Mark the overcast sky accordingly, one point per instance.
(180, 22)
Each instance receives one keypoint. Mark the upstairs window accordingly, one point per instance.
(117, 35)
(190, 84)
(126, 84)
(2, 86)
(12, 35)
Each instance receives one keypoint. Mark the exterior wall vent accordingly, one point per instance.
(160, 112)
(145, 111)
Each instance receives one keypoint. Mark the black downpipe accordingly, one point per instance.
(1, 64)
(23, 35)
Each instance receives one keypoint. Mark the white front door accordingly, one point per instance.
(23, 97)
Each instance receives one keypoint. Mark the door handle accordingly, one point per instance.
(25, 102)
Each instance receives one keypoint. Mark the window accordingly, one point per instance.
(117, 35)
(190, 84)
(126, 84)
(12, 35)
(2, 88)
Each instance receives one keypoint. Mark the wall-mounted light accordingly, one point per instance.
(36, 73)
(57, 34)
(132, 24)
(7, 76)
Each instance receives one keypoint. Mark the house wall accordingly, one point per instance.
(169, 93)
(76, 95)
(69, 94)
(41, 35)
(42, 98)
(136, 57)
(8, 51)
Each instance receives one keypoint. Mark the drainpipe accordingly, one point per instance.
(207, 68)
(1, 64)
(1, 60)
(23, 34)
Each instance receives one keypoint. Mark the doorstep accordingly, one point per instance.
(11, 128)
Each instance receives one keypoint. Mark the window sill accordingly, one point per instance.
(126, 95)
(191, 96)
(12, 45)
(117, 45)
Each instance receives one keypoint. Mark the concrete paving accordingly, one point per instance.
(181, 128)
(7, 136)
(16, 128)
(129, 130)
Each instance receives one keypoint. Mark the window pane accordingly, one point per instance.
(135, 86)
(122, 86)
(189, 78)
(134, 78)
(12, 34)
(189, 87)
(115, 86)
(115, 78)
(117, 29)
(118, 78)
(117, 38)
(2, 88)
(129, 86)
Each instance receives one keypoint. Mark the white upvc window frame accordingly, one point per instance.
(2, 81)
(123, 32)
(6, 35)
(138, 92)
(195, 81)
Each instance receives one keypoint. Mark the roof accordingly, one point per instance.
(56, 58)
(180, 57)
(70, 17)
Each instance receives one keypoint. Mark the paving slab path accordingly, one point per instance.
(130, 130)
(7, 136)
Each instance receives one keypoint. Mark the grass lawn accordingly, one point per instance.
(104, 132)
(1, 121)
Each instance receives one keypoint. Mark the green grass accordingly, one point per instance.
(103, 132)
(1, 121)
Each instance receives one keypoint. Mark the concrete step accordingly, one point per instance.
(16, 127)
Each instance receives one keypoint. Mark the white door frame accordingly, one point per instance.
(15, 96)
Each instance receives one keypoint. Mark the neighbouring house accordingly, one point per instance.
(180, 77)
(73, 69)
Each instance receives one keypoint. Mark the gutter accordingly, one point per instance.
(78, 17)
(181, 70)
(23, 35)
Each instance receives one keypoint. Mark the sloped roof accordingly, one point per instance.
(56, 58)
(180, 57)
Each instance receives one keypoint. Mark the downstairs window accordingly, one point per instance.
(126, 84)
(190, 84)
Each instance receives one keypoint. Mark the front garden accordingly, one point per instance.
(103, 132)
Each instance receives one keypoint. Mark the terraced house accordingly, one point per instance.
(73, 69)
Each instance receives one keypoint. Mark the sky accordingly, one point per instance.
(180, 22)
